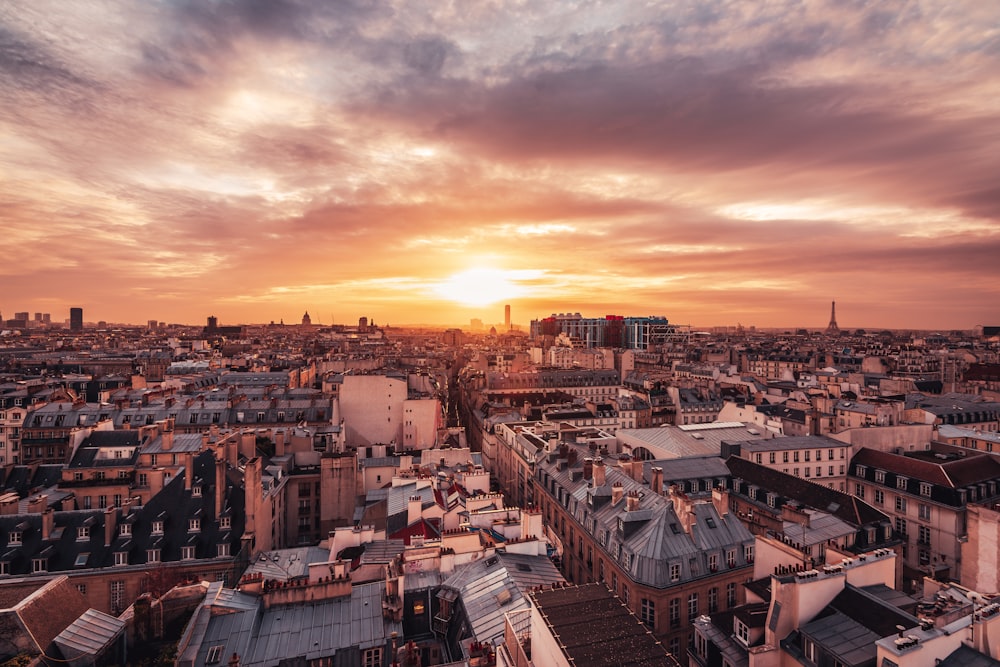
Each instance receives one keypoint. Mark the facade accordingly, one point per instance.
(615, 331)
(76, 319)
(819, 459)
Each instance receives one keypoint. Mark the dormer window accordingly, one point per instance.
(771, 499)
(222, 549)
(925, 489)
(187, 553)
(125, 529)
(83, 533)
(194, 525)
(39, 564)
(196, 491)
(862, 470)
(880, 476)
(14, 538)
(121, 558)
(157, 527)
(901, 482)
(224, 522)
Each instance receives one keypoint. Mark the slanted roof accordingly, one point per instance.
(89, 635)
(619, 639)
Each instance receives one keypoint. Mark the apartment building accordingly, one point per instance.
(817, 458)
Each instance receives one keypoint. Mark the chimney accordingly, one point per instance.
(632, 501)
(188, 470)
(414, 509)
(48, 523)
(37, 504)
(110, 525)
(599, 478)
(617, 492)
(279, 442)
(588, 468)
(167, 439)
(234, 661)
(220, 486)
(657, 481)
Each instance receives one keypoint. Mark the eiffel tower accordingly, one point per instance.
(833, 328)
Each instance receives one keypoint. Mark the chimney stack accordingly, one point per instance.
(599, 478)
(414, 509)
(48, 523)
(220, 486)
(657, 481)
(110, 525)
(632, 501)
(617, 492)
(188, 470)
(588, 468)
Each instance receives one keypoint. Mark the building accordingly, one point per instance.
(634, 333)
(76, 319)
(669, 557)
(817, 458)
(926, 493)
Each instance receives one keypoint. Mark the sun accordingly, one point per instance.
(481, 287)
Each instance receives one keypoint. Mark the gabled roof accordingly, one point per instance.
(845, 507)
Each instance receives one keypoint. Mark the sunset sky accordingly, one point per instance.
(429, 161)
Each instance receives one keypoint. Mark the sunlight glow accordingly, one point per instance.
(484, 286)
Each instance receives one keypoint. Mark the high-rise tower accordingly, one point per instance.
(506, 317)
(76, 319)
(833, 328)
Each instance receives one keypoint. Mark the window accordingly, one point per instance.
(901, 482)
(224, 522)
(83, 533)
(924, 512)
(830, 471)
(771, 457)
(153, 556)
(879, 497)
(117, 597)
(121, 558)
(784, 457)
(39, 564)
(880, 476)
(158, 527)
(713, 600)
(215, 654)
(925, 489)
(829, 455)
(614, 582)
(900, 504)
(748, 552)
(731, 558)
(901, 526)
(222, 549)
(759, 459)
(713, 562)
(194, 525)
(859, 490)
(14, 538)
(742, 631)
(143, 479)
(82, 588)
(102, 501)
(819, 471)
(187, 553)
(730, 595)
(78, 477)
(81, 560)
(196, 491)
(647, 612)
(625, 594)
(795, 457)
(372, 657)
(807, 452)
(675, 572)
(806, 469)
(692, 606)
(675, 612)
(125, 529)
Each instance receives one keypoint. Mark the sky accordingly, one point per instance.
(714, 162)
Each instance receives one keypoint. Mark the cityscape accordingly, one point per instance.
(511, 333)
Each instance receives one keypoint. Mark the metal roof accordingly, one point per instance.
(89, 635)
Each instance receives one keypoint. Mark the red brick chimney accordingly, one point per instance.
(110, 525)
(656, 483)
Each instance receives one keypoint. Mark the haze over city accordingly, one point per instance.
(430, 162)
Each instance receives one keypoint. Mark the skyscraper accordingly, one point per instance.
(506, 317)
(76, 319)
